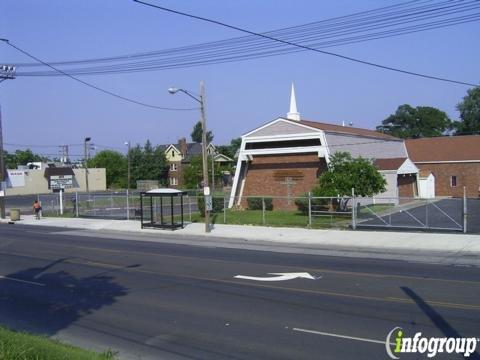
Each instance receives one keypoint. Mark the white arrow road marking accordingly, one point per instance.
(278, 277)
(22, 281)
(341, 336)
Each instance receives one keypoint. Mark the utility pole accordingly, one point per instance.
(85, 148)
(203, 121)
(128, 179)
(7, 72)
(204, 154)
(3, 186)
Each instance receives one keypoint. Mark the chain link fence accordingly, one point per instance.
(444, 214)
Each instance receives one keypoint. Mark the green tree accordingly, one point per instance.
(148, 163)
(22, 157)
(410, 122)
(116, 167)
(345, 173)
(193, 172)
(197, 132)
(469, 110)
(230, 150)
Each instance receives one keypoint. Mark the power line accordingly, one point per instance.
(94, 86)
(250, 47)
(379, 15)
(385, 67)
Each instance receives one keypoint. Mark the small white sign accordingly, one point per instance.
(208, 203)
(16, 178)
(206, 190)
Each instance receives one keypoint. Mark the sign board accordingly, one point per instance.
(16, 178)
(208, 203)
(61, 182)
(206, 190)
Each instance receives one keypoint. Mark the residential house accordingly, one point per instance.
(180, 154)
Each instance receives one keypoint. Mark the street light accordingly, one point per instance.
(201, 101)
(128, 178)
(85, 142)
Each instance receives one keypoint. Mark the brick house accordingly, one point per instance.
(454, 161)
(285, 157)
(179, 156)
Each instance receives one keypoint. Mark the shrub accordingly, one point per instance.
(317, 204)
(217, 204)
(255, 203)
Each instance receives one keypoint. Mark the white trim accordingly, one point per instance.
(284, 137)
(217, 156)
(288, 150)
(168, 148)
(238, 171)
(408, 167)
(446, 162)
(323, 141)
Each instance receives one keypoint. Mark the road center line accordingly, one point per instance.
(340, 336)
(22, 281)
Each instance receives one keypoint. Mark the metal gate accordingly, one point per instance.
(411, 213)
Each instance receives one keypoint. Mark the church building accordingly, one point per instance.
(284, 158)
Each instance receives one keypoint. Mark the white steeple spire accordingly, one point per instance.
(293, 114)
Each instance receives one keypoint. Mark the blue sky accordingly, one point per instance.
(240, 96)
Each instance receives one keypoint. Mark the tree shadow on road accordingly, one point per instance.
(42, 301)
(437, 319)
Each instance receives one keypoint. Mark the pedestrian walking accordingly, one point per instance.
(36, 209)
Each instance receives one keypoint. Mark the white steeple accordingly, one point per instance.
(293, 114)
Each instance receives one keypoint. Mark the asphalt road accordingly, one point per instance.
(166, 301)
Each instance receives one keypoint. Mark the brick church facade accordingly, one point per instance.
(284, 158)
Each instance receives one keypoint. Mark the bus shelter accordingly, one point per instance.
(162, 208)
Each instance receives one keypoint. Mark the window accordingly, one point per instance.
(173, 153)
(453, 181)
(173, 181)
(173, 167)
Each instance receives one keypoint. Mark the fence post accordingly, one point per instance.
(128, 206)
(77, 204)
(465, 210)
(426, 213)
(189, 208)
(354, 222)
(309, 209)
(224, 209)
(263, 210)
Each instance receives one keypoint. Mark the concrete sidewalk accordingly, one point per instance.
(402, 244)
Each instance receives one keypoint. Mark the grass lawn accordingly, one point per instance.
(23, 346)
(275, 218)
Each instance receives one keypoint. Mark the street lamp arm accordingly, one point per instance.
(189, 94)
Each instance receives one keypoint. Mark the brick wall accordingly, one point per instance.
(267, 176)
(468, 175)
(176, 174)
(407, 185)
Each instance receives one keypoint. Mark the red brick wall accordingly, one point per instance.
(177, 174)
(266, 175)
(468, 175)
(407, 185)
